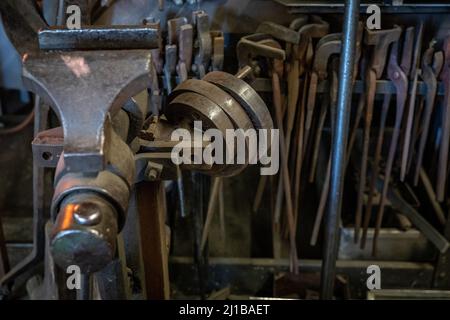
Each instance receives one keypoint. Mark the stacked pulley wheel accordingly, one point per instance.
(220, 101)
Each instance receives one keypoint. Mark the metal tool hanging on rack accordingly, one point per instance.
(398, 77)
(381, 41)
(407, 133)
(326, 184)
(430, 73)
(405, 65)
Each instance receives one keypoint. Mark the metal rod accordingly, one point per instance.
(211, 209)
(339, 148)
(432, 196)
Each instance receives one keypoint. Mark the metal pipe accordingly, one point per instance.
(339, 147)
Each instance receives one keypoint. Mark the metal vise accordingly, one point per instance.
(86, 89)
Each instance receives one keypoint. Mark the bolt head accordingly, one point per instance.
(152, 174)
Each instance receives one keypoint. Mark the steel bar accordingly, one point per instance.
(322, 205)
(213, 197)
(197, 213)
(99, 38)
(222, 213)
(432, 196)
(377, 158)
(414, 76)
(299, 155)
(415, 132)
(339, 148)
(285, 172)
(180, 192)
(318, 137)
(259, 193)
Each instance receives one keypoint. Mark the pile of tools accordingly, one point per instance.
(392, 63)
(190, 50)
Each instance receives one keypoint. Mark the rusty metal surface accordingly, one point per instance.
(72, 87)
(189, 107)
(225, 101)
(204, 43)
(247, 97)
(174, 28)
(279, 32)
(221, 98)
(218, 54)
(251, 46)
(185, 48)
(48, 147)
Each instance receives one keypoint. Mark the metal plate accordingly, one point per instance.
(191, 107)
(247, 97)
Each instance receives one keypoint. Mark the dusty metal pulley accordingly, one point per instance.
(221, 101)
(247, 97)
(189, 107)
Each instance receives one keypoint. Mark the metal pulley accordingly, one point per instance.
(247, 97)
(224, 102)
(189, 107)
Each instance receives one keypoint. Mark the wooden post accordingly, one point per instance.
(152, 213)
